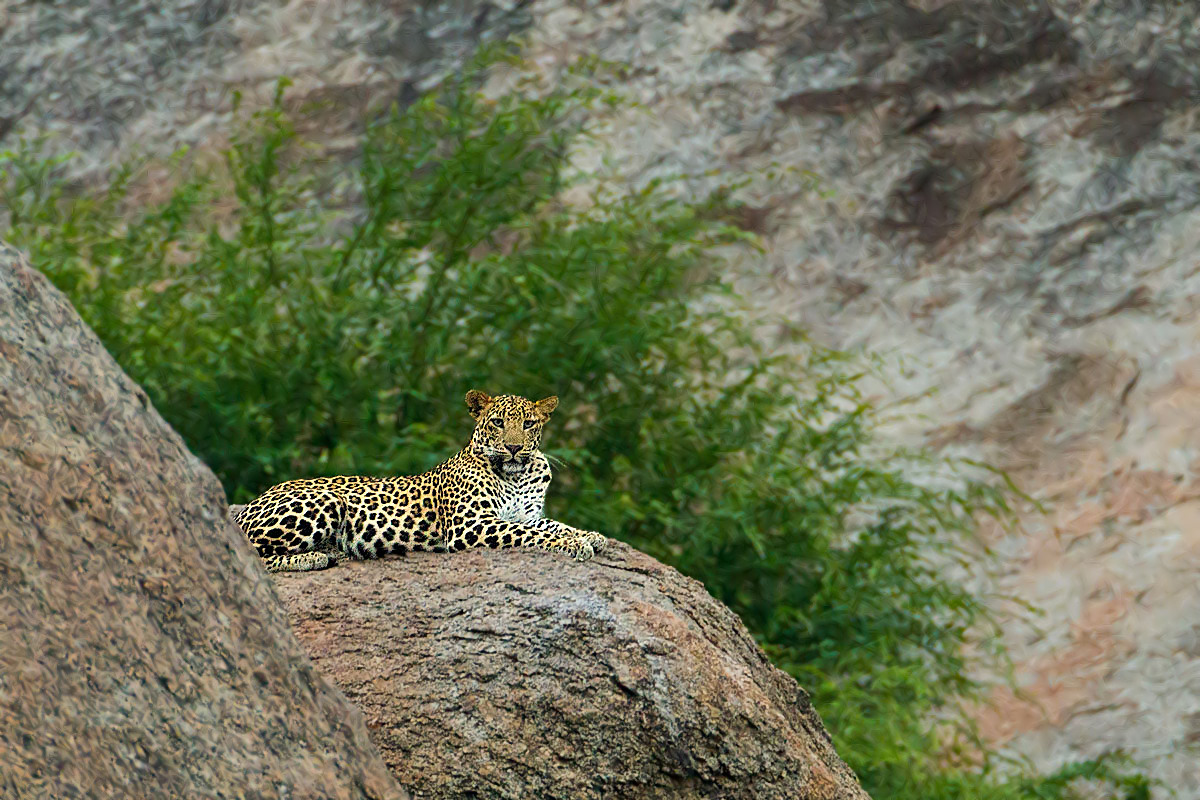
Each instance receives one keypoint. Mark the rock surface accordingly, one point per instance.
(1003, 199)
(517, 674)
(147, 76)
(142, 650)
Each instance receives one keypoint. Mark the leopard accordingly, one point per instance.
(491, 494)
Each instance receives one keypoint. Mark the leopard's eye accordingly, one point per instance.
(498, 422)
(529, 423)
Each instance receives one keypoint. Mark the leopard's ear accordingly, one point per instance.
(544, 407)
(477, 401)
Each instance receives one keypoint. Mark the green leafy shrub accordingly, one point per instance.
(289, 320)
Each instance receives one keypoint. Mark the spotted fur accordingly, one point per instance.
(490, 494)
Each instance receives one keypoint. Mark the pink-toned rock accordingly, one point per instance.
(143, 652)
(516, 674)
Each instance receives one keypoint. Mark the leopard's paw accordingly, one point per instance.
(579, 547)
(595, 540)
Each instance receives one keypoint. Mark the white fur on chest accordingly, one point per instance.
(522, 504)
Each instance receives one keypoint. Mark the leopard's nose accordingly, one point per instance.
(513, 448)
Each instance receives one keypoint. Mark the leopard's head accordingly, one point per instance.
(508, 429)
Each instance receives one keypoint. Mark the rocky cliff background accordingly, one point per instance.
(999, 197)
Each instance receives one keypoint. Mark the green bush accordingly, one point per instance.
(290, 319)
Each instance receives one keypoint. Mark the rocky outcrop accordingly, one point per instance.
(517, 674)
(143, 652)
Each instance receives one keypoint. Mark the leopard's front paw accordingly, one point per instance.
(595, 540)
(578, 547)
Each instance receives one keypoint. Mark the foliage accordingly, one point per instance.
(289, 325)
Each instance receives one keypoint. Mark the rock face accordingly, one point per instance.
(1001, 197)
(150, 76)
(517, 674)
(142, 650)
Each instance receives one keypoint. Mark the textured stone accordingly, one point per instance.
(1001, 198)
(516, 674)
(143, 652)
(147, 77)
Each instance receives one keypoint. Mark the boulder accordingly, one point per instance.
(143, 652)
(517, 674)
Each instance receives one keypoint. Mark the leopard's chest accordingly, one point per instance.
(520, 504)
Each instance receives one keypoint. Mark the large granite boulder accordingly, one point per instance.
(143, 652)
(517, 674)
